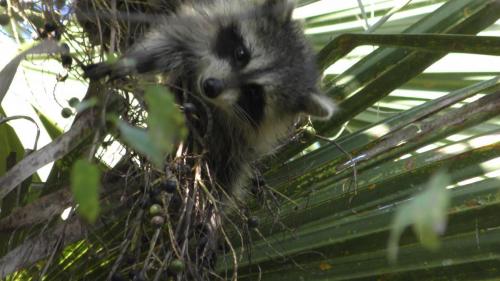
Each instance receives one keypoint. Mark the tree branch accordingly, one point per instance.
(81, 129)
(41, 210)
(49, 153)
(45, 208)
(40, 247)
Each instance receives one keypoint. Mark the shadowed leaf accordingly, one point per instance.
(85, 185)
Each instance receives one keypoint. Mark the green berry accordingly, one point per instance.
(176, 266)
(73, 102)
(155, 209)
(66, 112)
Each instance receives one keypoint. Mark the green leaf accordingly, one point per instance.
(165, 122)
(86, 104)
(85, 185)
(140, 140)
(9, 143)
(165, 126)
(427, 213)
(50, 126)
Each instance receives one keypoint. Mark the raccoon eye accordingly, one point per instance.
(241, 55)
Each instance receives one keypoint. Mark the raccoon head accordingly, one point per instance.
(259, 66)
(247, 58)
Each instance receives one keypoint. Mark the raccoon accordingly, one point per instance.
(248, 61)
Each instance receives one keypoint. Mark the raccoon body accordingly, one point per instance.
(248, 61)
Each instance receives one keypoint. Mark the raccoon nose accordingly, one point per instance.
(213, 87)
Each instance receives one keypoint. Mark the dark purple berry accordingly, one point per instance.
(66, 61)
(169, 186)
(154, 192)
(189, 108)
(50, 27)
(145, 202)
(253, 222)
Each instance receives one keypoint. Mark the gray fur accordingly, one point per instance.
(281, 65)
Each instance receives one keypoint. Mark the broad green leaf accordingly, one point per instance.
(85, 185)
(8, 143)
(165, 126)
(165, 122)
(140, 140)
(426, 213)
(11, 151)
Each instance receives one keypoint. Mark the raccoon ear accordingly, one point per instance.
(280, 10)
(318, 106)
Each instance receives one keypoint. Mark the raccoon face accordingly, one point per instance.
(246, 57)
(259, 66)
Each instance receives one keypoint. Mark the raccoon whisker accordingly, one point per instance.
(242, 114)
(238, 112)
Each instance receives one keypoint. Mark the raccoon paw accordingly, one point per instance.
(96, 71)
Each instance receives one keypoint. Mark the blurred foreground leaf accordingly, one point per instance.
(165, 122)
(139, 140)
(426, 212)
(85, 185)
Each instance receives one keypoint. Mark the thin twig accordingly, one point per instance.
(351, 161)
(163, 266)
(17, 117)
(57, 246)
(152, 245)
(124, 247)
